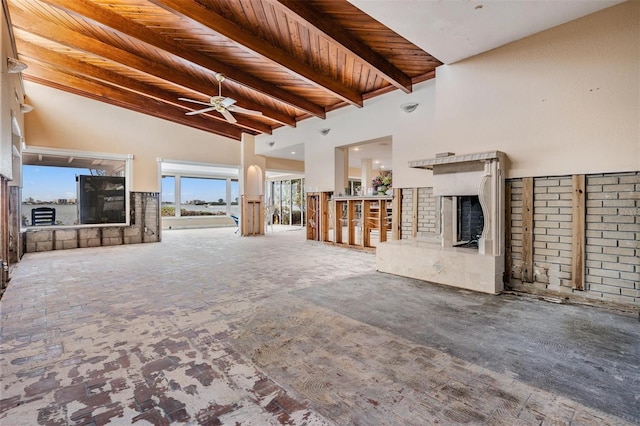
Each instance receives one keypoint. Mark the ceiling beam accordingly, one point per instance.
(95, 47)
(71, 65)
(387, 89)
(121, 98)
(213, 21)
(331, 30)
(113, 21)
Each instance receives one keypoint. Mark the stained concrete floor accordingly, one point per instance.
(209, 328)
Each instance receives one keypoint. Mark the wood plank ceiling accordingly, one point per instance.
(288, 59)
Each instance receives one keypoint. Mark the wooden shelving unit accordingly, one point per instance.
(355, 218)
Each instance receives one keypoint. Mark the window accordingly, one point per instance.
(203, 196)
(81, 188)
(199, 190)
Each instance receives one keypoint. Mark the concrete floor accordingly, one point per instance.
(210, 328)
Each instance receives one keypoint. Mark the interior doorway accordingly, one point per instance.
(285, 201)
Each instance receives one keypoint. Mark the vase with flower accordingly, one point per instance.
(382, 183)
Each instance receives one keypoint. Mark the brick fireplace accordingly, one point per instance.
(469, 253)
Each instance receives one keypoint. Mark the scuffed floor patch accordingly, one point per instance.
(353, 373)
(153, 372)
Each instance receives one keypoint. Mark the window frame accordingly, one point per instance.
(179, 169)
(72, 153)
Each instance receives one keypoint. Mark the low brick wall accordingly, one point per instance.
(552, 233)
(144, 228)
(612, 237)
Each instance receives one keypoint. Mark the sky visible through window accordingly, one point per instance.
(50, 183)
(42, 183)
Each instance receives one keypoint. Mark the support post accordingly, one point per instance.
(578, 235)
(382, 221)
(527, 229)
(366, 225)
(508, 257)
(396, 215)
(351, 219)
(414, 213)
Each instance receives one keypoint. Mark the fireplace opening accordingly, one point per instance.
(470, 221)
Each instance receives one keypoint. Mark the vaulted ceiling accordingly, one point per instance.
(287, 59)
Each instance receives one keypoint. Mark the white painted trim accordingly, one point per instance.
(30, 149)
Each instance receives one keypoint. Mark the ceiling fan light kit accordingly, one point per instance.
(225, 106)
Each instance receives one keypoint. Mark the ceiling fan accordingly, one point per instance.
(224, 106)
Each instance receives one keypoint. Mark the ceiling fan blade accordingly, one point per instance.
(230, 118)
(227, 102)
(194, 101)
(241, 110)
(200, 111)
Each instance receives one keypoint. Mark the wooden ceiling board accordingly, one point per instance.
(173, 50)
(159, 69)
(290, 60)
(395, 48)
(121, 98)
(108, 82)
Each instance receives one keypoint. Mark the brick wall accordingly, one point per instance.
(552, 234)
(612, 235)
(516, 227)
(144, 227)
(406, 217)
(427, 214)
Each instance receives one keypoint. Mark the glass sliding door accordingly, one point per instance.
(233, 199)
(285, 202)
(296, 202)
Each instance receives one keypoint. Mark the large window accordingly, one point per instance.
(63, 187)
(199, 190)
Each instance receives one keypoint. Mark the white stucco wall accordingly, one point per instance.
(566, 100)
(64, 120)
(381, 117)
(10, 85)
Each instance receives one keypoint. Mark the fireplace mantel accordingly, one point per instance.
(479, 174)
(479, 157)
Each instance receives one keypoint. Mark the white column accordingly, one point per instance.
(366, 175)
(228, 196)
(251, 184)
(341, 181)
(177, 201)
